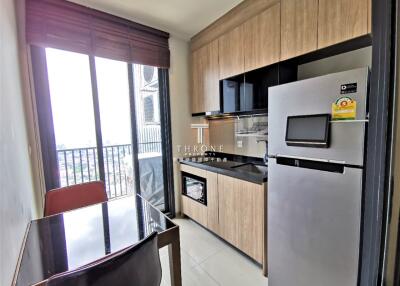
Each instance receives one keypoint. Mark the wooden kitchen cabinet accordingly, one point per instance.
(236, 211)
(205, 79)
(211, 77)
(262, 39)
(369, 16)
(281, 30)
(191, 208)
(212, 202)
(195, 210)
(341, 20)
(197, 83)
(194, 171)
(251, 219)
(228, 193)
(299, 27)
(241, 215)
(205, 215)
(231, 53)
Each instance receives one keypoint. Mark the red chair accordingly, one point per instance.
(73, 197)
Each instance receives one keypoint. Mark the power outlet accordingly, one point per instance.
(239, 144)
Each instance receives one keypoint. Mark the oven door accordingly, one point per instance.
(194, 187)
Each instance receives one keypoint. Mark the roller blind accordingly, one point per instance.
(69, 26)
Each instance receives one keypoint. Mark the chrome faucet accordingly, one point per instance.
(266, 154)
(265, 159)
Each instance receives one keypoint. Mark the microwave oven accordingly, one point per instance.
(194, 187)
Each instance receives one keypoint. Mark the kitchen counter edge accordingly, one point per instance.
(231, 173)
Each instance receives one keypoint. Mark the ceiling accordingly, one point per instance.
(181, 18)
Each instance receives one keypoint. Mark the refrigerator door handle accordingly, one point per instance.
(321, 165)
(301, 158)
(308, 158)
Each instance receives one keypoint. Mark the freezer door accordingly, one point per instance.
(313, 226)
(315, 96)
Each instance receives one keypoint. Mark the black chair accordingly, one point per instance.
(138, 265)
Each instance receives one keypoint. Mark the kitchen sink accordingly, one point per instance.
(250, 167)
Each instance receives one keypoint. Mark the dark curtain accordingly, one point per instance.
(64, 25)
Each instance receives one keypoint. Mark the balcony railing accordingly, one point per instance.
(80, 165)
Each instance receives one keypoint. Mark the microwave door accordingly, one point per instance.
(194, 187)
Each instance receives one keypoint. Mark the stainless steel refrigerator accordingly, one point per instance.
(316, 148)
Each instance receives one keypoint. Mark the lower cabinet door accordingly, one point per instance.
(212, 202)
(195, 210)
(228, 209)
(241, 215)
(251, 219)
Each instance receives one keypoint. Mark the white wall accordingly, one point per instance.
(17, 204)
(181, 118)
(222, 133)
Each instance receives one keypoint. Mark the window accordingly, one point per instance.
(148, 109)
(146, 77)
(105, 124)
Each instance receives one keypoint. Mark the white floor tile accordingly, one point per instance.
(208, 261)
(191, 274)
(197, 242)
(230, 267)
(198, 277)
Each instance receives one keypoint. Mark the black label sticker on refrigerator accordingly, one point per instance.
(348, 88)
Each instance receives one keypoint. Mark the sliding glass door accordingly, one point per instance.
(149, 139)
(103, 120)
(116, 129)
(73, 116)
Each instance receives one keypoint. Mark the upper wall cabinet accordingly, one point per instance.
(211, 75)
(231, 56)
(197, 82)
(205, 79)
(262, 39)
(369, 16)
(299, 28)
(273, 31)
(341, 20)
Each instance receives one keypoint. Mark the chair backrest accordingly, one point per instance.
(138, 265)
(73, 197)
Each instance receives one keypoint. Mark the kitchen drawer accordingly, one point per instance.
(195, 210)
(195, 171)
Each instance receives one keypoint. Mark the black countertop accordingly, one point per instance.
(241, 167)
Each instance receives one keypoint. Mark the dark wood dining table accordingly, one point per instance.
(66, 241)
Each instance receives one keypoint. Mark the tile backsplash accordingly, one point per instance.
(242, 136)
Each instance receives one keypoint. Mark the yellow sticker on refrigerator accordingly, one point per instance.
(344, 108)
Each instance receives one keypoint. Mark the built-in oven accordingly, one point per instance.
(194, 187)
